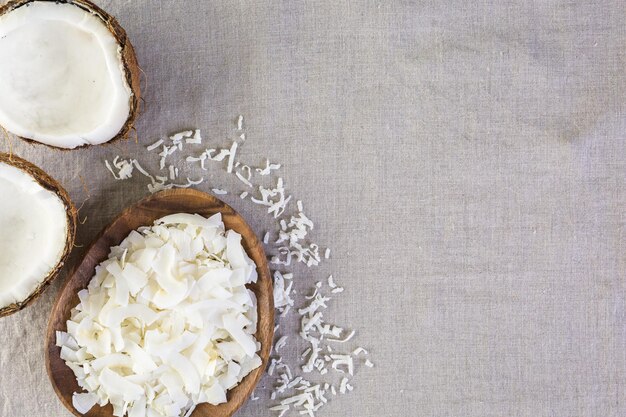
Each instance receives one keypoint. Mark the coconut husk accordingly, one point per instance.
(49, 183)
(129, 60)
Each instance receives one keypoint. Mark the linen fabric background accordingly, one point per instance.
(465, 161)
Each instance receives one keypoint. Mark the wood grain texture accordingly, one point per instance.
(144, 213)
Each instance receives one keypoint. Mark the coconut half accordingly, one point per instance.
(38, 224)
(68, 73)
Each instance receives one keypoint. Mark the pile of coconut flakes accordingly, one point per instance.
(297, 387)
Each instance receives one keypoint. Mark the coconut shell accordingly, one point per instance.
(49, 183)
(129, 60)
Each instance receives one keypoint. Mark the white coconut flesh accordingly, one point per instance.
(62, 77)
(34, 226)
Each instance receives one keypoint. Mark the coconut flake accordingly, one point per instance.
(358, 351)
(269, 167)
(178, 137)
(84, 402)
(281, 343)
(154, 145)
(242, 179)
(331, 282)
(196, 139)
(231, 157)
(124, 168)
(245, 179)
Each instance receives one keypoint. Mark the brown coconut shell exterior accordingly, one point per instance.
(49, 183)
(129, 60)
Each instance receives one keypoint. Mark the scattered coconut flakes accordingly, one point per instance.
(350, 336)
(337, 290)
(331, 282)
(343, 385)
(163, 154)
(295, 233)
(201, 158)
(243, 179)
(343, 360)
(196, 139)
(155, 145)
(253, 396)
(281, 343)
(124, 168)
(172, 173)
(282, 408)
(272, 367)
(266, 238)
(141, 169)
(242, 137)
(312, 296)
(269, 167)
(219, 191)
(159, 184)
(369, 363)
(282, 294)
(231, 157)
(223, 153)
(177, 137)
(358, 351)
(240, 122)
(243, 195)
(276, 206)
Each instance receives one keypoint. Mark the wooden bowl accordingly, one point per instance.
(144, 213)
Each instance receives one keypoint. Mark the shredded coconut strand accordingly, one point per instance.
(155, 145)
(269, 167)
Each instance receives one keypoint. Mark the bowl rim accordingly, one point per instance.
(263, 289)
